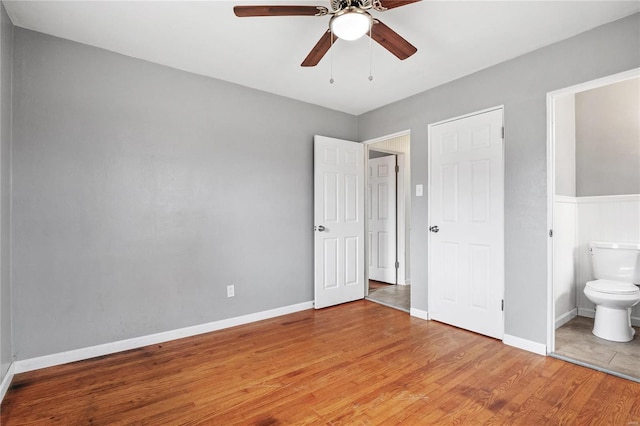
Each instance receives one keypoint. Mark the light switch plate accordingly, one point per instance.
(419, 190)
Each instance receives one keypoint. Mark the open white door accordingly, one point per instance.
(466, 214)
(338, 221)
(382, 219)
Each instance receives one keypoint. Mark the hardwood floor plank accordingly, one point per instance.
(358, 363)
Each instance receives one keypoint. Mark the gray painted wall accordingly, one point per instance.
(565, 145)
(608, 140)
(521, 85)
(140, 192)
(6, 58)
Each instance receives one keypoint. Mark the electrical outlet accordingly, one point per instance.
(231, 290)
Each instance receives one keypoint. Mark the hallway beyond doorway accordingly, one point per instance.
(393, 296)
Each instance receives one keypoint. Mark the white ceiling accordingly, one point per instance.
(454, 38)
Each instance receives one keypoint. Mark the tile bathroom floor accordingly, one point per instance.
(574, 340)
(395, 296)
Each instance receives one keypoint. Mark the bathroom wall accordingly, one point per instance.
(565, 132)
(597, 151)
(608, 140)
(565, 211)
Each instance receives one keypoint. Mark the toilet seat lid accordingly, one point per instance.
(613, 287)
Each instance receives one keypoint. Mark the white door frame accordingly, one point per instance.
(400, 205)
(429, 244)
(551, 182)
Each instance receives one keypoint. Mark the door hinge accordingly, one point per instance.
(502, 132)
(397, 264)
(502, 305)
(550, 233)
(397, 169)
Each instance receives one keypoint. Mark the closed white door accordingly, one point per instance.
(382, 219)
(338, 221)
(466, 218)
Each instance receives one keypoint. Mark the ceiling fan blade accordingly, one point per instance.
(319, 50)
(392, 4)
(249, 11)
(391, 40)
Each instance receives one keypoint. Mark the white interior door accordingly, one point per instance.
(382, 219)
(338, 221)
(466, 218)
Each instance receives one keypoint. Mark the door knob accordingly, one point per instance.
(434, 228)
(320, 228)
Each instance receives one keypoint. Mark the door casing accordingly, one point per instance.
(551, 184)
(403, 207)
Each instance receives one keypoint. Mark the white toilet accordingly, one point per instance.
(616, 267)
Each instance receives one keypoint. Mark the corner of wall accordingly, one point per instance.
(6, 381)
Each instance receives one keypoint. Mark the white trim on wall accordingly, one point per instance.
(387, 137)
(419, 313)
(566, 317)
(152, 339)
(6, 382)
(524, 344)
(607, 198)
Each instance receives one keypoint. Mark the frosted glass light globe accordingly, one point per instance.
(350, 24)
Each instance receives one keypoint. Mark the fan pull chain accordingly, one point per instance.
(370, 51)
(331, 58)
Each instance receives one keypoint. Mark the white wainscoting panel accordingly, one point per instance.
(564, 258)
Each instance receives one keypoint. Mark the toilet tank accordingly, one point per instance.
(616, 261)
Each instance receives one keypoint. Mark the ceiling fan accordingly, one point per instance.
(350, 20)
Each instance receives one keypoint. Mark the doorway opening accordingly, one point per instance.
(388, 216)
(593, 195)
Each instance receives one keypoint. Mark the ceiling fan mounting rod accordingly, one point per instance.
(338, 5)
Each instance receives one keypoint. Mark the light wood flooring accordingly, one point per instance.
(355, 364)
(576, 341)
(395, 296)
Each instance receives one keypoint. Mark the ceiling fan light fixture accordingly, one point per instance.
(350, 23)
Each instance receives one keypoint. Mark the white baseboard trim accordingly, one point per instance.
(419, 313)
(591, 313)
(6, 382)
(151, 339)
(566, 317)
(584, 312)
(527, 345)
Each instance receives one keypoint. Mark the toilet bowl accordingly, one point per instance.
(616, 267)
(613, 300)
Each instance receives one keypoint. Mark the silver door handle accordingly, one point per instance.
(434, 228)
(320, 228)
